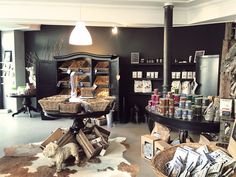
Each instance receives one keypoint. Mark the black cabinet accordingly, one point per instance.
(46, 80)
(53, 77)
(207, 69)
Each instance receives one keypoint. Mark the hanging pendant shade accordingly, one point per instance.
(80, 35)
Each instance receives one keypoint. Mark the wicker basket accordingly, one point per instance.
(77, 64)
(52, 103)
(102, 66)
(65, 65)
(159, 160)
(102, 92)
(87, 91)
(68, 107)
(93, 105)
(102, 80)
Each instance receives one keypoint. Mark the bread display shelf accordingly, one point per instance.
(102, 80)
(102, 66)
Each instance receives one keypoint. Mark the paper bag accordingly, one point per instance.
(161, 132)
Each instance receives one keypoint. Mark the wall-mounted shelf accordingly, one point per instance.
(152, 79)
(143, 94)
(183, 64)
(148, 64)
(182, 79)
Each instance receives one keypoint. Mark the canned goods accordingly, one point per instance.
(171, 110)
(154, 97)
(171, 102)
(189, 97)
(163, 110)
(183, 98)
(190, 114)
(170, 94)
(176, 98)
(150, 103)
(178, 113)
(164, 102)
(198, 101)
(184, 114)
(188, 104)
(182, 104)
(154, 103)
(155, 91)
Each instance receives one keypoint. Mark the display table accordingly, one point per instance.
(195, 125)
(77, 117)
(26, 103)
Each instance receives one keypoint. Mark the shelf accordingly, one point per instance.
(183, 64)
(102, 86)
(153, 79)
(182, 79)
(143, 94)
(101, 73)
(77, 72)
(148, 64)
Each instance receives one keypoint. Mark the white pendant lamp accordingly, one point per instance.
(80, 35)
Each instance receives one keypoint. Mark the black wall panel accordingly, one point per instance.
(147, 41)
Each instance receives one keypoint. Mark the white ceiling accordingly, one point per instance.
(30, 14)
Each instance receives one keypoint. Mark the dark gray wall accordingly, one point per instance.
(147, 41)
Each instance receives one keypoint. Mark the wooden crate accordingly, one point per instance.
(93, 147)
(55, 136)
(60, 136)
(65, 139)
(89, 150)
(104, 133)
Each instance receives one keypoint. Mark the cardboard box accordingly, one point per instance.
(232, 142)
(226, 107)
(226, 127)
(160, 146)
(148, 146)
(206, 140)
(101, 121)
(161, 132)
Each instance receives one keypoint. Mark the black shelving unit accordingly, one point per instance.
(49, 74)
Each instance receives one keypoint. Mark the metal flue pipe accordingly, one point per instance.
(167, 51)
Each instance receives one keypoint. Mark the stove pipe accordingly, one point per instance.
(167, 51)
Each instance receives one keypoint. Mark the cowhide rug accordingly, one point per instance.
(28, 161)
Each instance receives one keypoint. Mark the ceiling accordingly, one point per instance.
(30, 14)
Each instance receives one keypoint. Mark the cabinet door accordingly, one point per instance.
(114, 74)
(46, 78)
(207, 75)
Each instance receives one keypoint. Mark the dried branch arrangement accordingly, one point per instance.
(50, 50)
